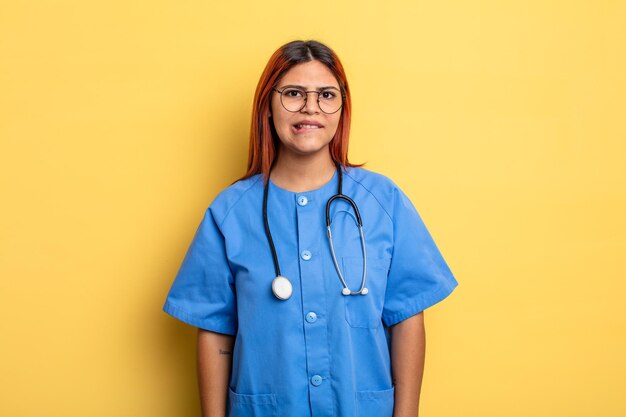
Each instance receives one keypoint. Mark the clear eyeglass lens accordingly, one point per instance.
(294, 99)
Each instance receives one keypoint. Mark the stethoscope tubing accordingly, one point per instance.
(268, 233)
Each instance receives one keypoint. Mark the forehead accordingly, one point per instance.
(312, 74)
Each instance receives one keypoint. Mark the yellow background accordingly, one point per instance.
(504, 121)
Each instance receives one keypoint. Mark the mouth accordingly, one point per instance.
(306, 126)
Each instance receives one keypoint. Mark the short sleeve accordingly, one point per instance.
(418, 276)
(202, 294)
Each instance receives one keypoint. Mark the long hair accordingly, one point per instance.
(263, 138)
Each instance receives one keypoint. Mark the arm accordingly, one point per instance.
(214, 367)
(408, 343)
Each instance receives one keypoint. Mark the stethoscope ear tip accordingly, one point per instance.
(347, 291)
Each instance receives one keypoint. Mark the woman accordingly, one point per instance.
(293, 320)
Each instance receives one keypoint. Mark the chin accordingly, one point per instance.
(307, 151)
(304, 146)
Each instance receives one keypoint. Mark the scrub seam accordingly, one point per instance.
(372, 194)
(252, 184)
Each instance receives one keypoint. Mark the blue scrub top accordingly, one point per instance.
(319, 353)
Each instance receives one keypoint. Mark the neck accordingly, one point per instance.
(298, 174)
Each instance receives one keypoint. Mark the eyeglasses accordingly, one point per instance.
(293, 99)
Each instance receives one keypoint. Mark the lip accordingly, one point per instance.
(309, 126)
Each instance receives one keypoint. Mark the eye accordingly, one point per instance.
(293, 93)
(328, 95)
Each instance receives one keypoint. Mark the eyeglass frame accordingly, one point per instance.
(306, 97)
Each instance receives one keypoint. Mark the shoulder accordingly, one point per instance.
(370, 179)
(379, 186)
(233, 195)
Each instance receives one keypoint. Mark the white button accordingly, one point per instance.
(306, 255)
(303, 201)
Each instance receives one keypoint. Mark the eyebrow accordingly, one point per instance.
(303, 88)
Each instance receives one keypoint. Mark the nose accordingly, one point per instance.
(311, 106)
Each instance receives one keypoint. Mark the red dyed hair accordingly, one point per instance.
(263, 138)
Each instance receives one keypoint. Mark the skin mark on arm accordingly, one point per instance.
(225, 352)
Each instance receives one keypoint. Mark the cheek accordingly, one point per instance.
(335, 124)
(281, 123)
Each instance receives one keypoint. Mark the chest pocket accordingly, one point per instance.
(365, 311)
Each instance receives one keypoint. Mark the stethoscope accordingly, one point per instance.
(281, 286)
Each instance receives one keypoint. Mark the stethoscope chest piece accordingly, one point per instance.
(282, 288)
